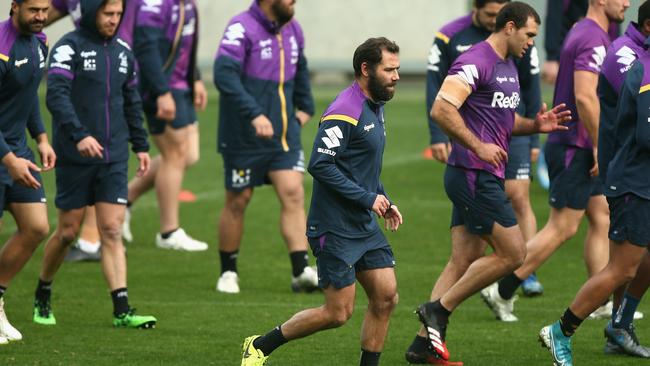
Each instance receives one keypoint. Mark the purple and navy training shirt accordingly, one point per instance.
(489, 111)
(584, 50)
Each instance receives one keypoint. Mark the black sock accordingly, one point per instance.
(442, 314)
(270, 341)
(167, 234)
(129, 204)
(419, 345)
(228, 261)
(508, 285)
(569, 322)
(120, 299)
(298, 262)
(43, 291)
(369, 358)
(2, 291)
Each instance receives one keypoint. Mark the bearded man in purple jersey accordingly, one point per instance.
(476, 107)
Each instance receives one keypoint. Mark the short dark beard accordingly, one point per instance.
(282, 15)
(29, 28)
(378, 91)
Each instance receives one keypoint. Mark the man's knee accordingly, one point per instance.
(37, 230)
(339, 316)
(67, 232)
(293, 194)
(110, 231)
(384, 305)
(236, 202)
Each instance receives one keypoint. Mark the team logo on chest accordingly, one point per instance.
(124, 63)
(266, 52)
(89, 60)
(20, 63)
(295, 52)
(500, 100)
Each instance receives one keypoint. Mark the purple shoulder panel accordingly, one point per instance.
(475, 65)
(456, 25)
(154, 13)
(621, 54)
(348, 103)
(645, 61)
(60, 5)
(8, 36)
(233, 44)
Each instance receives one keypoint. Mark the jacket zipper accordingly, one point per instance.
(107, 153)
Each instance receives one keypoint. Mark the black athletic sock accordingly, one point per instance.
(228, 261)
(369, 358)
(298, 261)
(270, 341)
(569, 322)
(167, 234)
(508, 285)
(43, 291)
(120, 299)
(419, 345)
(2, 291)
(129, 204)
(442, 314)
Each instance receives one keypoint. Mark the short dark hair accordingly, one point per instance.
(480, 4)
(644, 13)
(370, 53)
(516, 12)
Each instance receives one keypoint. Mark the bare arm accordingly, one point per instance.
(453, 93)
(585, 86)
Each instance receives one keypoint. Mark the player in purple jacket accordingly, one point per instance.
(576, 189)
(476, 107)
(265, 100)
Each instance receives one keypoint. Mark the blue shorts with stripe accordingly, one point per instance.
(18, 193)
(339, 259)
(479, 200)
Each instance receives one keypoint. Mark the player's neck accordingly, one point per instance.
(599, 17)
(363, 85)
(499, 44)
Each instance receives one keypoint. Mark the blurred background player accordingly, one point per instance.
(344, 236)
(261, 73)
(626, 188)
(451, 41)
(23, 49)
(166, 41)
(575, 188)
(92, 76)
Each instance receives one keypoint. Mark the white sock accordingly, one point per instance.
(87, 246)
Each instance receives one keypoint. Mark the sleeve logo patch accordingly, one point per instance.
(434, 58)
(151, 6)
(62, 55)
(233, 34)
(626, 57)
(598, 58)
(534, 61)
(469, 74)
(334, 137)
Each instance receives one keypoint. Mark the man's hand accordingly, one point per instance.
(552, 120)
(594, 171)
(534, 154)
(549, 71)
(441, 151)
(381, 205)
(393, 218)
(145, 163)
(492, 154)
(19, 170)
(89, 148)
(166, 107)
(200, 95)
(48, 157)
(302, 117)
(263, 127)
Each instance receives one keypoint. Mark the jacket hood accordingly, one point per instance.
(88, 21)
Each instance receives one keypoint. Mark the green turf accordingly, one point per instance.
(198, 326)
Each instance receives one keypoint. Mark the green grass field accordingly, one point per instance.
(198, 326)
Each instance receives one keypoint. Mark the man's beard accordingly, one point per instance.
(34, 26)
(282, 14)
(378, 91)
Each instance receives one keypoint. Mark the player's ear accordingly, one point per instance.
(365, 71)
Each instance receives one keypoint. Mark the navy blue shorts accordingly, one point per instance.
(79, 186)
(629, 217)
(243, 171)
(479, 200)
(568, 171)
(518, 166)
(18, 193)
(339, 259)
(185, 112)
